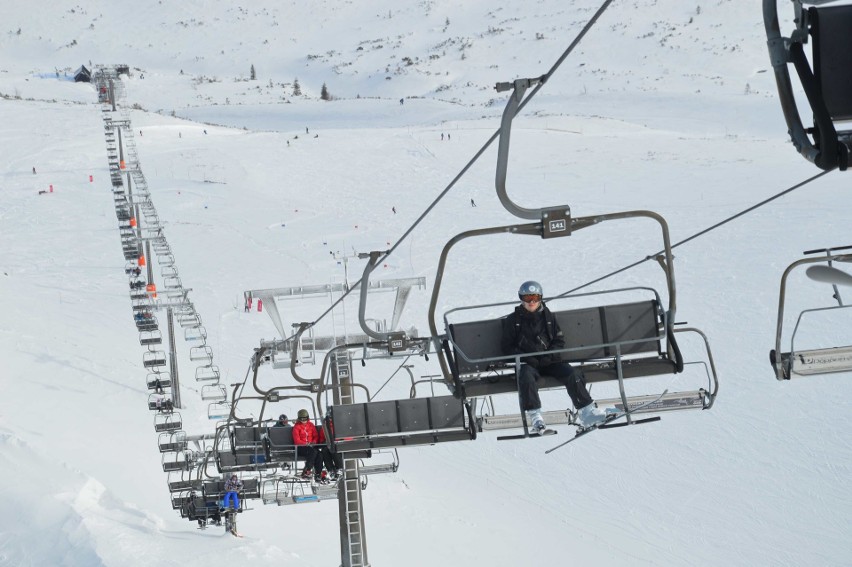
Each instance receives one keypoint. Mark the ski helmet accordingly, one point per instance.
(530, 288)
(303, 413)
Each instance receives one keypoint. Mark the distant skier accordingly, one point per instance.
(401, 102)
(531, 328)
(34, 171)
(442, 136)
(472, 203)
(393, 209)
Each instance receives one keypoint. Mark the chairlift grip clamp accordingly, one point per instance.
(555, 222)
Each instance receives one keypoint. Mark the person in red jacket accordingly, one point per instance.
(305, 436)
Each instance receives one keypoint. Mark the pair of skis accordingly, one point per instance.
(608, 424)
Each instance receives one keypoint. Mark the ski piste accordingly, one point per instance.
(613, 417)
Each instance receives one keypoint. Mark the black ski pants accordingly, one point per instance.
(573, 380)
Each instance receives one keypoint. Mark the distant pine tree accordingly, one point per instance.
(253, 75)
(324, 93)
(297, 88)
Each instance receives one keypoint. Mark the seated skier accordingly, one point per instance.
(531, 328)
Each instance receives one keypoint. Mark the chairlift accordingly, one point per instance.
(172, 282)
(191, 334)
(608, 342)
(202, 354)
(142, 304)
(207, 373)
(182, 480)
(826, 359)
(150, 337)
(138, 294)
(166, 259)
(159, 381)
(167, 422)
(825, 79)
(214, 392)
(160, 402)
(153, 358)
(147, 324)
(401, 423)
(172, 441)
(218, 410)
(189, 320)
(176, 461)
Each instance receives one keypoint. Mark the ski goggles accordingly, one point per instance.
(531, 298)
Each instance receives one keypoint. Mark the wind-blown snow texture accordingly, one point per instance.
(665, 106)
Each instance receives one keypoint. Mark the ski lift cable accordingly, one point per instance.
(701, 233)
(592, 21)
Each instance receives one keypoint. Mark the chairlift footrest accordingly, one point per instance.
(545, 433)
(625, 423)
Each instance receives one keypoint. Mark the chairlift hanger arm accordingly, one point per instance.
(372, 260)
(827, 151)
(518, 87)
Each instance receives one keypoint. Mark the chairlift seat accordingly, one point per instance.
(398, 423)
(215, 392)
(170, 466)
(279, 444)
(207, 373)
(173, 447)
(592, 335)
(180, 485)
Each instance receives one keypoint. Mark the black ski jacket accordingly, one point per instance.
(525, 332)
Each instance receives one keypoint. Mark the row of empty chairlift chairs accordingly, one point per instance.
(134, 233)
(194, 475)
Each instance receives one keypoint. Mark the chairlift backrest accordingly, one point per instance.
(598, 328)
(831, 28)
(281, 436)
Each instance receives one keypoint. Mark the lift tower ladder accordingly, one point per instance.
(353, 541)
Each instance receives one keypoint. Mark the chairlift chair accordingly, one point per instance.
(166, 259)
(608, 342)
(202, 354)
(153, 358)
(190, 320)
(209, 373)
(214, 392)
(798, 362)
(159, 379)
(192, 334)
(150, 337)
(167, 422)
(172, 441)
(825, 79)
(176, 461)
(218, 410)
(160, 402)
